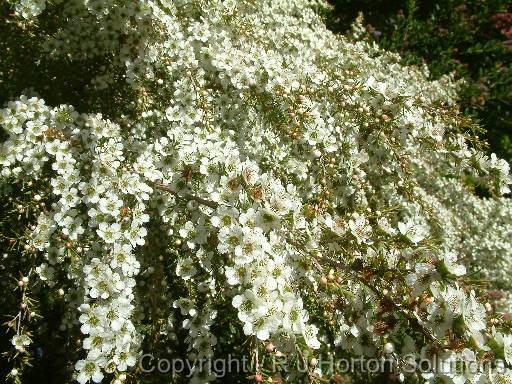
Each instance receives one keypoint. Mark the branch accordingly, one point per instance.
(357, 277)
(186, 196)
(335, 264)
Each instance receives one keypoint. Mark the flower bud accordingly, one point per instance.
(389, 348)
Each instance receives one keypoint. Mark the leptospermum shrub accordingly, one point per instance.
(267, 188)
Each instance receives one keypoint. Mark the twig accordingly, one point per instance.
(186, 196)
(345, 268)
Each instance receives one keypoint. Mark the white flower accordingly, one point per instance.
(20, 341)
(70, 198)
(124, 360)
(360, 229)
(246, 305)
(450, 259)
(90, 320)
(110, 205)
(414, 232)
(135, 235)
(203, 345)
(310, 331)
(295, 316)
(224, 217)
(30, 8)
(89, 369)
(110, 233)
(229, 238)
(186, 306)
(195, 233)
(386, 226)
(252, 246)
(262, 327)
(455, 299)
(474, 314)
(185, 268)
(122, 257)
(267, 220)
(235, 275)
(279, 204)
(420, 270)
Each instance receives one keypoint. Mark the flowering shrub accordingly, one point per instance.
(266, 187)
(472, 38)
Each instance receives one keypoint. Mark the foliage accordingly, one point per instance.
(472, 38)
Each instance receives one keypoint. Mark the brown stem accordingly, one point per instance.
(345, 268)
(186, 196)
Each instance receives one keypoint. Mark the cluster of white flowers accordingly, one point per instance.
(86, 213)
(310, 181)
